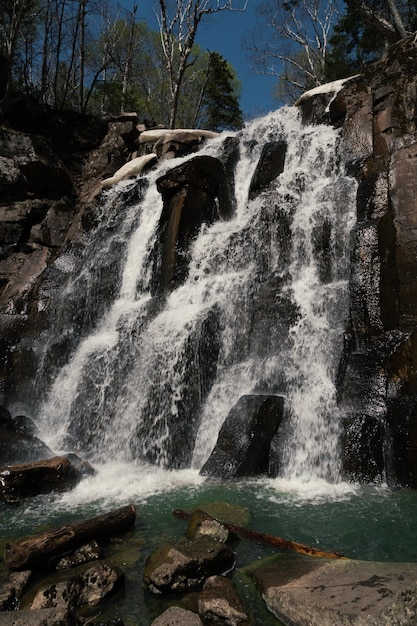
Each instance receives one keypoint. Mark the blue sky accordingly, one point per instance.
(223, 33)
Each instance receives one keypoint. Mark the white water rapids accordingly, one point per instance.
(126, 385)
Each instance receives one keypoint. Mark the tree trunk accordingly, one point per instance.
(39, 549)
(29, 479)
(396, 18)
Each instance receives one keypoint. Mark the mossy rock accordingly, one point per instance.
(226, 512)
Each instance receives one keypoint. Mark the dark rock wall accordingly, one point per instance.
(51, 164)
(378, 376)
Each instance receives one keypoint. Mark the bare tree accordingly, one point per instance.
(129, 55)
(292, 41)
(13, 14)
(178, 24)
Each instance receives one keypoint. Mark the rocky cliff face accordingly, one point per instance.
(50, 168)
(378, 375)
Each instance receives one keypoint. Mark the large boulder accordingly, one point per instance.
(325, 592)
(243, 444)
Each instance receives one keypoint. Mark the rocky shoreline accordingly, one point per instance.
(193, 580)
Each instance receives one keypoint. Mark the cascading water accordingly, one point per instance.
(152, 379)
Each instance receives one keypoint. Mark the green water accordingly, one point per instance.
(369, 523)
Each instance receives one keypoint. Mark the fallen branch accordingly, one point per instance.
(283, 544)
(38, 549)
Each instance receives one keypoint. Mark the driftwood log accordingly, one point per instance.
(282, 544)
(28, 479)
(39, 549)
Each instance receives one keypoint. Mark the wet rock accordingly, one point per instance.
(401, 419)
(28, 267)
(90, 587)
(273, 306)
(16, 447)
(202, 524)
(194, 193)
(99, 582)
(11, 588)
(198, 357)
(220, 602)
(242, 447)
(379, 361)
(61, 595)
(269, 167)
(18, 440)
(186, 565)
(89, 552)
(362, 448)
(176, 616)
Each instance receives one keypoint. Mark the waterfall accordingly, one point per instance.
(150, 380)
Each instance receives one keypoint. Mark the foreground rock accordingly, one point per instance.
(186, 565)
(220, 603)
(175, 615)
(11, 588)
(90, 588)
(309, 592)
(60, 593)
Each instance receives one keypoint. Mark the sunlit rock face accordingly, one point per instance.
(378, 377)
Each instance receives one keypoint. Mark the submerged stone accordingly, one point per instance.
(202, 525)
(227, 512)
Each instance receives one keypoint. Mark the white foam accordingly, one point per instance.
(312, 490)
(116, 484)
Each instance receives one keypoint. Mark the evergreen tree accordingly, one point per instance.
(221, 96)
(358, 39)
